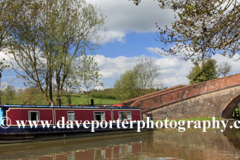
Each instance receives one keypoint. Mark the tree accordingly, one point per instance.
(48, 36)
(31, 95)
(139, 80)
(148, 74)
(7, 13)
(126, 87)
(31, 91)
(86, 73)
(223, 69)
(202, 28)
(9, 94)
(204, 73)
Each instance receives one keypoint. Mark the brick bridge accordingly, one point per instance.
(216, 98)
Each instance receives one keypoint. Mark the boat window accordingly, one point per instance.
(33, 115)
(99, 116)
(125, 116)
(71, 116)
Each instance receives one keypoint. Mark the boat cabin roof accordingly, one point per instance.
(69, 106)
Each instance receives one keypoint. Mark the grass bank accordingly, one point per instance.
(40, 100)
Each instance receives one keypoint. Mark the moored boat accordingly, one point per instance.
(31, 122)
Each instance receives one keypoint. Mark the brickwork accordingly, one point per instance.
(186, 92)
(131, 101)
(208, 105)
(191, 98)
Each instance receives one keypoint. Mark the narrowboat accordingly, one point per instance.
(24, 122)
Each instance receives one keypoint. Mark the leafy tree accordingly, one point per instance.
(148, 75)
(138, 81)
(31, 90)
(48, 36)
(86, 73)
(204, 73)
(31, 95)
(202, 28)
(223, 69)
(7, 13)
(9, 94)
(126, 87)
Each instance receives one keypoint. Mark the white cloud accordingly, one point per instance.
(153, 50)
(173, 69)
(235, 64)
(6, 57)
(99, 88)
(112, 36)
(4, 86)
(124, 17)
(114, 67)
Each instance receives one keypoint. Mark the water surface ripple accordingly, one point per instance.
(160, 145)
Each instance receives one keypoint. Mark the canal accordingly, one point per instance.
(160, 145)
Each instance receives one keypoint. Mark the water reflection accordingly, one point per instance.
(86, 148)
(160, 144)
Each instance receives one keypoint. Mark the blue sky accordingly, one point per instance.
(130, 36)
(135, 44)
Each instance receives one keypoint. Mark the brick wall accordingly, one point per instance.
(131, 101)
(214, 104)
(174, 95)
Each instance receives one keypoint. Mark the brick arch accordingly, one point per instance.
(227, 112)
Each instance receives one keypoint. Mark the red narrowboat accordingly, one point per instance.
(30, 122)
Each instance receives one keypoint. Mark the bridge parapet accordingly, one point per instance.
(179, 94)
(131, 101)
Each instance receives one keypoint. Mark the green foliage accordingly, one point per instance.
(69, 100)
(31, 95)
(126, 87)
(204, 73)
(100, 95)
(9, 94)
(31, 90)
(85, 73)
(138, 81)
(206, 27)
(40, 100)
(235, 113)
(47, 37)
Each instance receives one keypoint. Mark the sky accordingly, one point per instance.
(130, 37)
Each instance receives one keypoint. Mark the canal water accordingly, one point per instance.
(160, 145)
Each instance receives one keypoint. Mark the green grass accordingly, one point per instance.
(82, 100)
(40, 100)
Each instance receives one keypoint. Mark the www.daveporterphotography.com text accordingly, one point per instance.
(180, 125)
